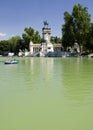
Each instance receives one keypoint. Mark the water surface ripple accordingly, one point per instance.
(46, 94)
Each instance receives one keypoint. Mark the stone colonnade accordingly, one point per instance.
(56, 47)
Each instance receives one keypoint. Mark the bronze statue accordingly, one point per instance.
(46, 24)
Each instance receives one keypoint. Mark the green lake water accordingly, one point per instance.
(46, 94)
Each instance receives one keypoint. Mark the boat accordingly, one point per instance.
(11, 62)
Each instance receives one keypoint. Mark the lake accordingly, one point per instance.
(46, 94)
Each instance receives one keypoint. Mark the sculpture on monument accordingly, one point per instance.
(46, 24)
(46, 45)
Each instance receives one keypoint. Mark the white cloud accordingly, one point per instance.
(2, 34)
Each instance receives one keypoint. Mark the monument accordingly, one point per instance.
(46, 48)
(46, 45)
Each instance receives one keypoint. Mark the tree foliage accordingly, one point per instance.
(76, 26)
(68, 30)
(89, 40)
(15, 44)
(56, 40)
(4, 47)
(30, 35)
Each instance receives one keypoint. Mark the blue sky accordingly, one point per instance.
(15, 15)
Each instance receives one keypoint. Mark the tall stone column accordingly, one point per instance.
(31, 47)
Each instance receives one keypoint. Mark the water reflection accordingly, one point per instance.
(69, 78)
(77, 79)
(44, 93)
(37, 72)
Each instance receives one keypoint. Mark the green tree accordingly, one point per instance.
(4, 47)
(77, 26)
(37, 38)
(89, 40)
(81, 20)
(68, 31)
(15, 44)
(55, 40)
(30, 35)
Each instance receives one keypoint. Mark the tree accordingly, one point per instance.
(4, 47)
(89, 40)
(15, 44)
(55, 40)
(77, 26)
(30, 35)
(68, 31)
(81, 20)
(37, 38)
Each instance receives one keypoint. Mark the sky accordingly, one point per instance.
(15, 15)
